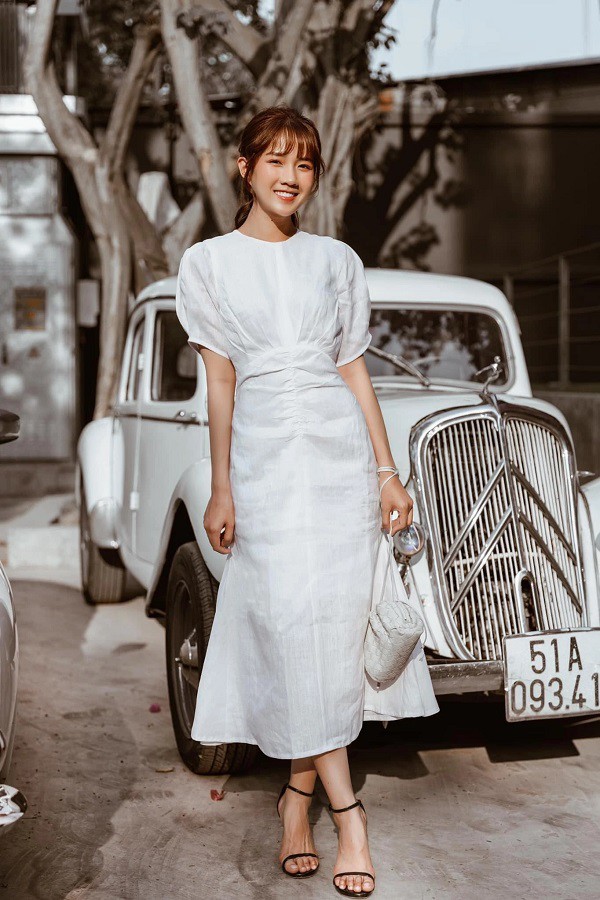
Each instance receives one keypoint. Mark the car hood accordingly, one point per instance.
(402, 408)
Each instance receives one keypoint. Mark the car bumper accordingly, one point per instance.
(464, 677)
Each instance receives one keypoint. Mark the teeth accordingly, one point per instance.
(285, 193)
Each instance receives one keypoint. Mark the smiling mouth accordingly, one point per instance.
(286, 195)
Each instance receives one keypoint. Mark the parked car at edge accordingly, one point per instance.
(12, 801)
(508, 578)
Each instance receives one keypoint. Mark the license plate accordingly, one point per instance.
(551, 674)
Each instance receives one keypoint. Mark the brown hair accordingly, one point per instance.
(262, 132)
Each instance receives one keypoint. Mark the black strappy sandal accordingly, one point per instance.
(347, 892)
(295, 855)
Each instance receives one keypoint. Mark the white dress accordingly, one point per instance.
(284, 666)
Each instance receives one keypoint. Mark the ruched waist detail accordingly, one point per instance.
(288, 391)
(299, 358)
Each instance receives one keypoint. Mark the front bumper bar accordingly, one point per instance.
(465, 677)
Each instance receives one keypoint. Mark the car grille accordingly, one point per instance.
(498, 485)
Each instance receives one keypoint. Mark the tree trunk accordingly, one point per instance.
(197, 117)
(113, 214)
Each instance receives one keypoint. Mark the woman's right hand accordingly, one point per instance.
(219, 521)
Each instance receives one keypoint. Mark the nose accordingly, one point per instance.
(289, 176)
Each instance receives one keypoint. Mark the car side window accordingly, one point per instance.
(134, 375)
(174, 362)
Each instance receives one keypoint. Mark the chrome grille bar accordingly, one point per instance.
(498, 496)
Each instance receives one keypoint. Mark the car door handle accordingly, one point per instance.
(184, 416)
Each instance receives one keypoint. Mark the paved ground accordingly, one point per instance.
(460, 805)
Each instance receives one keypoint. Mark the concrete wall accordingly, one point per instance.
(507, 175)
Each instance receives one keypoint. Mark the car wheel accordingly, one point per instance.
(190, 606)
(101, 582)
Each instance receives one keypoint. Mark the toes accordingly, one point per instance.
(301, 864)
(307, 863)
(354, 883)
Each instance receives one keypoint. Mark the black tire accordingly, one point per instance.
(190, 607)
(101, 581)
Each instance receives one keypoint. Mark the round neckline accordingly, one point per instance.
(261, 241)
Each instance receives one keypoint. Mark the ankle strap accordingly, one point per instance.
(344, 808)
(298, 791)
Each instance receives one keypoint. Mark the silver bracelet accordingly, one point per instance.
(391, 469)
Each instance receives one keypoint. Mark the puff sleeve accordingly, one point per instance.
(355, 308)
(195, 305)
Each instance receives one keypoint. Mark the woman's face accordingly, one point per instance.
(281, 183)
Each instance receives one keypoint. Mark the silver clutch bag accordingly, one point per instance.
(394, 627)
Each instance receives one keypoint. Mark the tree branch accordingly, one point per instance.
(243, 40)
(184, 230)
(197, 117)
(273, 81)
(125, 107)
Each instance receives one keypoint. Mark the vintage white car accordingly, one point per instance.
(508, 578)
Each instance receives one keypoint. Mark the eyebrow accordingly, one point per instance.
(273, 153)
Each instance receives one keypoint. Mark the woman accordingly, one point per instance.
(281, 317)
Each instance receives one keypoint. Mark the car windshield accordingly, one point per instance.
(443, 344)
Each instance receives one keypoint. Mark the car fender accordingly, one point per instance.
(590, 525)
(183, 523)
(99, 451)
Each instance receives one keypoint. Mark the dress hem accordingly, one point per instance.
(381, 717)
(345, 742)
(304, 753)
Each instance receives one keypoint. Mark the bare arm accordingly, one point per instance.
(394, 495)
(219, 513)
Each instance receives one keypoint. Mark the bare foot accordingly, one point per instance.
(297, 835)
(353, 851)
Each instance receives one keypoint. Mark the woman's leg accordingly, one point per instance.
(353, 849)
(293, 809)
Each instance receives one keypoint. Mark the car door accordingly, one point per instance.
(127, 428)
(173, 421)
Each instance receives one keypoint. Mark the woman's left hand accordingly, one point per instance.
(394, 496)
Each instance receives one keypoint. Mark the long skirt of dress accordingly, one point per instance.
(284, 666)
